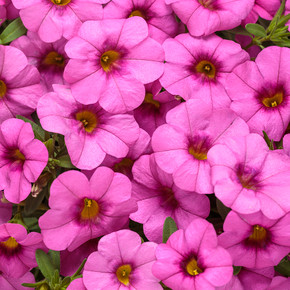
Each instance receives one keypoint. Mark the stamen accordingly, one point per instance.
(88, 120)
(273, 101)
(206, 68)
(192, 268)
(123, 273)
(108, 60)
(3, 89)
(54, 58)
(149, 100)
(90, 209)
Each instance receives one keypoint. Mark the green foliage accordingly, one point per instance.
(14, 30)
(169, 228)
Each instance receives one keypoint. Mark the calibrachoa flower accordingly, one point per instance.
(203, 17)
(279, 282)
(158, 198)
(197, 67)
(77, 284)
(192, 259)
(110, 62)
(82, 209)
(49, 58)
(22, 159)
(248, 177)
(250, 279)
(54, 19)
(260, 92)
(9, 283)
(121, 262)
(151, 113)
(286, 144)
(254, 241)
(90, 132)
(161, 21)
(182, 144)
(17, 249)
(5, 209)
(19, 84)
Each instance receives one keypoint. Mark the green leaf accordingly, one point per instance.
(283, 267)
(66, 281)
(65, 162)
(256, 29)
(39, 133)
(44, 263)
(35, 285)
(49, 144)
(283, 20)
(240, 30)
(268, 141)
(237, 269)
(78, 271)
(55, 258)
(169, 228)
(14, 30)
(274, 23)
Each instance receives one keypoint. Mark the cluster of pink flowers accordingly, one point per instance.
(114, 116)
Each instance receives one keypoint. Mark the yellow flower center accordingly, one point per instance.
(258, 236)
(137, 13)
(90, 209)
(206, 68)
(18, 156)
(149, 100)
(88, 120)
(274, 101)
(3, 89)
(207, 4)
(60, 2)
(54, 58)
(108, 59)
(10, 244)
(192, 268)
(123, 273)
(197, 152)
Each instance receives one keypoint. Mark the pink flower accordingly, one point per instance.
(279, 282)
(158, 198)
(49, 58)
(82, 209)
(286, 144)
(110, 62)
(5, 209)
(9, 283)
(22, 159)
(17, 249)
(260, 92)
(254, 241)
(247, 177)
(159, 16)
(192, 259)
(151, 113)
(19, 84)
(191, 130)
(90, 132)
(203, 17)
(197, 67)
(77, 284)
(54, 19)
(121, 262)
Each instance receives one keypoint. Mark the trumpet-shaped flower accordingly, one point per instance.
(90, 132)
(54, 19)
(191, 130)
(260, 92)
(192, 259)
(110, 60)
(82, 209)
(121, 262)
(204, 17)
(158, 198)
(19, 84)
(248, 177)
(22, 159)
(254, 241)
(9, 283)
(197, 67)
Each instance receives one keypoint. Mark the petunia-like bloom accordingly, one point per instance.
(192, 259)
(248, 177)
(77, 284)
(151, 113)
(17, 249)
(264, 9)
(110, 60)
(49, 58)
(182, 144)
(54, 19)
(250, 279)
(82, 209)
(286, 144)
(90, 132)
(260, 92)
(9, 283)
(279, 282)
(160, 18)
(5, 209)
(197, 67)
(19, 84)
(121, 262)
(158, 198)
(204, 17)
(255, 241)
(22, 159)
